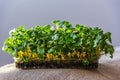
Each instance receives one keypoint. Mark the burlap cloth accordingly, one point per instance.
(109, 69)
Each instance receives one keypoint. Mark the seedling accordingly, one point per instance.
(38, 44)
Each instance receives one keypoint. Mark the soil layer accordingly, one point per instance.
(73, 64)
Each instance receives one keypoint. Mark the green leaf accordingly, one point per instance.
(46, 28)
(97, 39)
(41, 50)
(73, 36)
(68, 31)
(79, 27)
(55, 37)
(56, 22)
(109, 49)
(21, 28)
(62, 24)
(108, 36)
(51, 50)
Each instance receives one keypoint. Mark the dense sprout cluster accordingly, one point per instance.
(63, 43)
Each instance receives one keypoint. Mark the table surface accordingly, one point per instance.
(109, 69)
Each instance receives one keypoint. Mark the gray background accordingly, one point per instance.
(100, 13)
